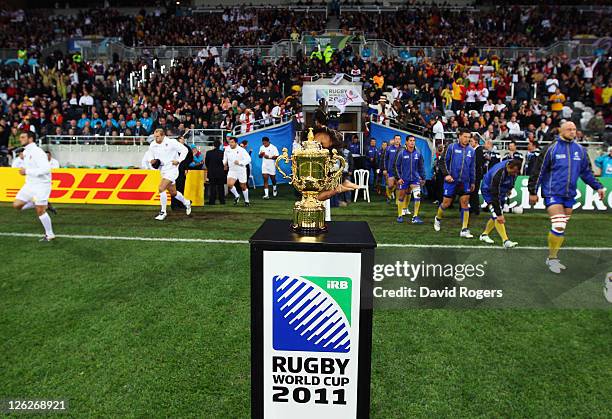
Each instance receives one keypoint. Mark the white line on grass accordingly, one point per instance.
(220, 241)
(142, 239)
(463, 246)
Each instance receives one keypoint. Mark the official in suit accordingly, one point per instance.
(213, 160)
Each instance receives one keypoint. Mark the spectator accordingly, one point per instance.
(513, 153)
(604, 164)
(513, 127)
(557, 99)
(532, 154)
(490, 155)
(597, 123)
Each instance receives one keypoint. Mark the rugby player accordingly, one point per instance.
(410, 171)
(556, 174)
(457, 165)
(166, 154)
(37, 187)
(496, 185)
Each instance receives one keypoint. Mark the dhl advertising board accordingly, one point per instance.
(103, 186)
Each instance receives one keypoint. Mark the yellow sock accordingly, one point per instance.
(407, 200)
(417, 206)
(440, 213)
(388, 192)
(490, 226)
(501, 229)
(465, 217)
(400, 206)
(554, 244)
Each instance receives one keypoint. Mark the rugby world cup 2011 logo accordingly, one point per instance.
(311, 313)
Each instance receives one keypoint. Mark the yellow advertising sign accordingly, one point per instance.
(103, 186)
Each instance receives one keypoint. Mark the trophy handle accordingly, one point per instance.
(284, 156)
(335, 178)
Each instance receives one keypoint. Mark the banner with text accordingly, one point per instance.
(586, 199)
(345, 94)
(311, 325)
(493, 277)
(103, 186)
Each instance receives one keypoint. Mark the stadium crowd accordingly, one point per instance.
(241, 26)
(196, 93)
(503, 26)
(425, 26)
(525, 98)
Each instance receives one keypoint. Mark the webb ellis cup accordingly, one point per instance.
(315, 169)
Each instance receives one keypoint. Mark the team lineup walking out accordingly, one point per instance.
(556, 174)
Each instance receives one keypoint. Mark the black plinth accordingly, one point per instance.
(346, 239)
(340, 234)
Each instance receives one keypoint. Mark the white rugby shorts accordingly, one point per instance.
(268, 167)
(171, 172)
(238, 173)
(39, 194)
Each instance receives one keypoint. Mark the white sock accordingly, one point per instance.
(266, 192)
(46, 222)
(246, 195)
(274, 188)
(327, 210)
(181, 198)
(28, 205)
(163, 200)
(234, 191)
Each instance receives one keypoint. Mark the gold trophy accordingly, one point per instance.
(314, 171)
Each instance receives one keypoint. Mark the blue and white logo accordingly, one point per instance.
(311, 314)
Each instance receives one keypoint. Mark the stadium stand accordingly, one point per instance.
(462, 76)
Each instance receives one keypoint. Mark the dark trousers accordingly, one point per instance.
(475, 199)
(216, 190)
(180, 186)
(437, 188)
(359, 162)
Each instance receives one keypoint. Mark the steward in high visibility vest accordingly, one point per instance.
(316, 53)
(329, 51)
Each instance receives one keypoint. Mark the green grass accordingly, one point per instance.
(148, 329)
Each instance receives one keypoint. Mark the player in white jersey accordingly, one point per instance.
(166, 154)
(37, 188)
(268, 152)
(18, 161)
(53, 162)
(236, 160)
